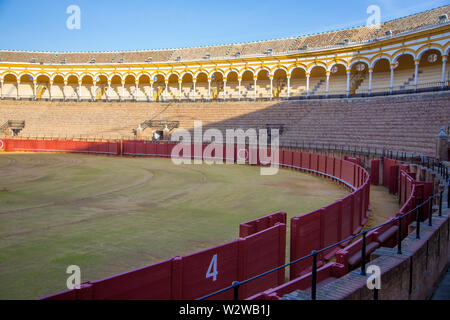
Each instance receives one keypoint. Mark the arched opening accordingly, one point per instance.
(144, 88)
(232, 90)
(10, 86)
(381, 78)
(216, 85)
(130, 87)
(201, 86)
(430, 69)
(247, 85)
(26, 87)
(359, 73)
(172, 88)
(338, 80)
(298, 82)
(71, 89)
(42, 87)
(116, 88)
(58, 87)
(263, 84)
(279, 83)
(159, 85)
(101, 83)
(318, 81)
(87, 85)
(187, 86)
(404, 72)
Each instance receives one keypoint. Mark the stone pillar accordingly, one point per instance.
(328, 83)
(271, 87)
(151, 89)
(136, 91)
(224, 90)
(444, 63)
(308, 75)
(1, 89)
(370, 80)
(288, 86)
(166, 91)
(209, 89)
(255, 79)
(416, 73)
(392, 78)
(240, 83)
(195, 87)
(65, 83)
(108, 90)
(442, 145)
(34, 90)
(348, 82)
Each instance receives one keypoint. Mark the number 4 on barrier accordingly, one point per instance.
(212, 270)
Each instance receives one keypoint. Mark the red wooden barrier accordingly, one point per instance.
(262, 251)
(331, 220)
(305, 237)
(208, 271)
(250, 227)
(149, 283)
(287, 157)
(297, 159)
(306, 160)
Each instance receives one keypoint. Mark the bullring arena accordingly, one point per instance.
(363, 116)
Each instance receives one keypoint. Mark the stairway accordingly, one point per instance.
(317, 87)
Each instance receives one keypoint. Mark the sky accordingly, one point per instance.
(111, 25)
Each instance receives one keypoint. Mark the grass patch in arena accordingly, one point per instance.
(112, 214)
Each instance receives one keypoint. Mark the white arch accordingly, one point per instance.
(185, 73)
(200, 71)
(317, 65)
(280, 68)
(87, 75)
(374, 62)
(241, 74)
(66, 78)
(363, 60)
(10, 73)
(297, 67)
(218, 71)
(398, 55)
(230, 71)
(335, 64)
(140, 75)
(419, 56)
(257, 71)
(56, 75)
(111, 76)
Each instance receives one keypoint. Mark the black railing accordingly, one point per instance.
(236, 284)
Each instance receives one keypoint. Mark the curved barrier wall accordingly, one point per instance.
(262, 245)
(411, 193)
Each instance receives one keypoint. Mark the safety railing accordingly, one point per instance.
(417, 210)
